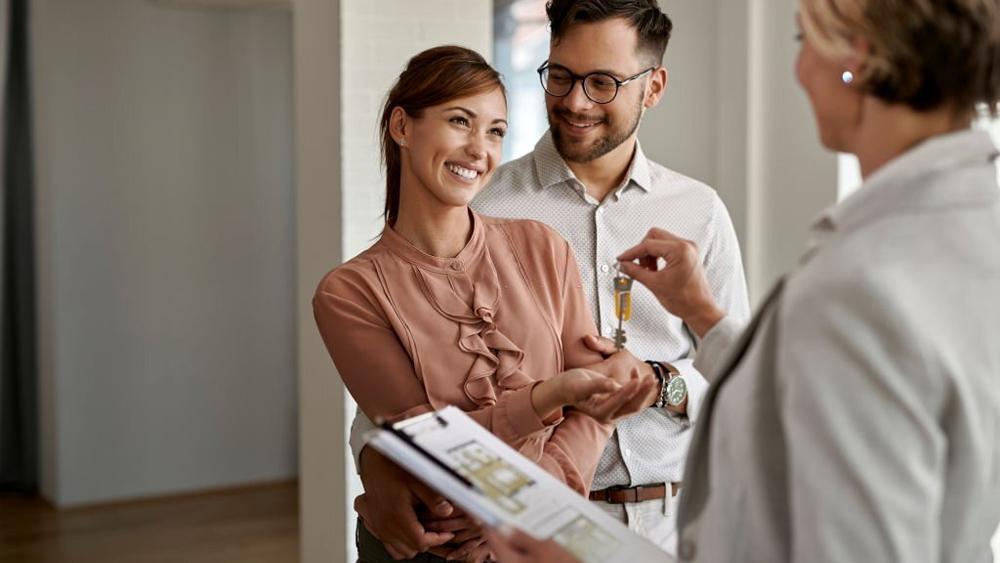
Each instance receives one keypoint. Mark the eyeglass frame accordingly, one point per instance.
(582, 79)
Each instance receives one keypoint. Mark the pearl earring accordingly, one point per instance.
(847, 77)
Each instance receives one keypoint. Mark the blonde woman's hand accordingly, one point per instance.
(680, 285)
(515, 546)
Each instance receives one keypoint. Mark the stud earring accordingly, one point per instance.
(847, 77)
(402, 143)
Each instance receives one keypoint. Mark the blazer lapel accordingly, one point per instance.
(696, 490)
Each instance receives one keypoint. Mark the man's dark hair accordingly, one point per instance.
(645, 16)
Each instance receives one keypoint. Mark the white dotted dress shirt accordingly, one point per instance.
(649, 447)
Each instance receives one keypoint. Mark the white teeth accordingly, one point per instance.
(463, 172)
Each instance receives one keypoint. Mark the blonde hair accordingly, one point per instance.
(924, 53)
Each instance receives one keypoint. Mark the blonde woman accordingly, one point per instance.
(857, 418)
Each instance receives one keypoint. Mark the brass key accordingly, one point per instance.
(623, 307)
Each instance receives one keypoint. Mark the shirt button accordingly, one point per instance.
(686, 550)
(608, 329)
(604, 268)
(628, 453)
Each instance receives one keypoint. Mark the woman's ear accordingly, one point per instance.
(857, 62)
(399, 126)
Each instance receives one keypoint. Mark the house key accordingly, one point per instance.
(623, 306)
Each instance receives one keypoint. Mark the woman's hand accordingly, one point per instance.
(638, 393)
(514, 546)
(568, 388)
(469, 543)
(389, 507)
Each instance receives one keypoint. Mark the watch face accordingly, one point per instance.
(676, 391)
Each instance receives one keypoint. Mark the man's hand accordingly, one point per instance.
(681, 285)
(618, 364)
(606, 347)
(389, 507)
(514, 546)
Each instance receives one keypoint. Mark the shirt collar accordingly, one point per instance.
(551, 169)
(403, 248)
(899, 185)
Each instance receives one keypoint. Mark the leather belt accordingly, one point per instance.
(623, 495)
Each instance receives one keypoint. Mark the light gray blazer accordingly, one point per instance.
(857, 419)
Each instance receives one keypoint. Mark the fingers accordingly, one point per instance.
(598, 384)
(432, 500)
(410, 538)
(481, 554)
(652, 245)
(395, 553)
(599, 344)
(515, 546)
(641, 399)
(463, 536)
(649, 251)
(463, 551)
(450, 525)
(361, 506)
(638, 273)
(604, 410)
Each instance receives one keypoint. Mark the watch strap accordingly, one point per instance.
(663, 378)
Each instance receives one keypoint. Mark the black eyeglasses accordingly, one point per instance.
(600, 87)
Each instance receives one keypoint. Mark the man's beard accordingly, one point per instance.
(602, 146)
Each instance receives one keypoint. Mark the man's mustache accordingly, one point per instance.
(566, 114)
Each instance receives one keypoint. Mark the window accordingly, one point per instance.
(520, 45)
(850, 172)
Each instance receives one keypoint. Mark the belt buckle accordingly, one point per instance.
(630, 494)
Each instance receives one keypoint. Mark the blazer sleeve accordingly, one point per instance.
(724, 270)
(865, 453)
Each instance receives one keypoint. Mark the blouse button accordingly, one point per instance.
(456, 266)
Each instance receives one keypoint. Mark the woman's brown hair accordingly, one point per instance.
(432, 77)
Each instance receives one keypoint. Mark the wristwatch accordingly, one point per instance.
(673, 388)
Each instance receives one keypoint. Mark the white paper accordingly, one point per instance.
(509, 488)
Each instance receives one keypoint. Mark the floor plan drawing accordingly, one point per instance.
(587, 541)
(496, 478)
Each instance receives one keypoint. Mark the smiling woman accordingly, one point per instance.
(453, 308)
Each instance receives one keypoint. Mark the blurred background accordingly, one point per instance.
(177, 177)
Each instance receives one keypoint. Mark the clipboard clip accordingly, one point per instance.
(385, 425)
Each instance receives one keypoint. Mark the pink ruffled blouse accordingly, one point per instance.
(410, 333)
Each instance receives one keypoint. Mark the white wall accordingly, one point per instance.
(734, 117)
(165, 207)
(376, 49)
(340, 199)
(680, 132)
(323, 498)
